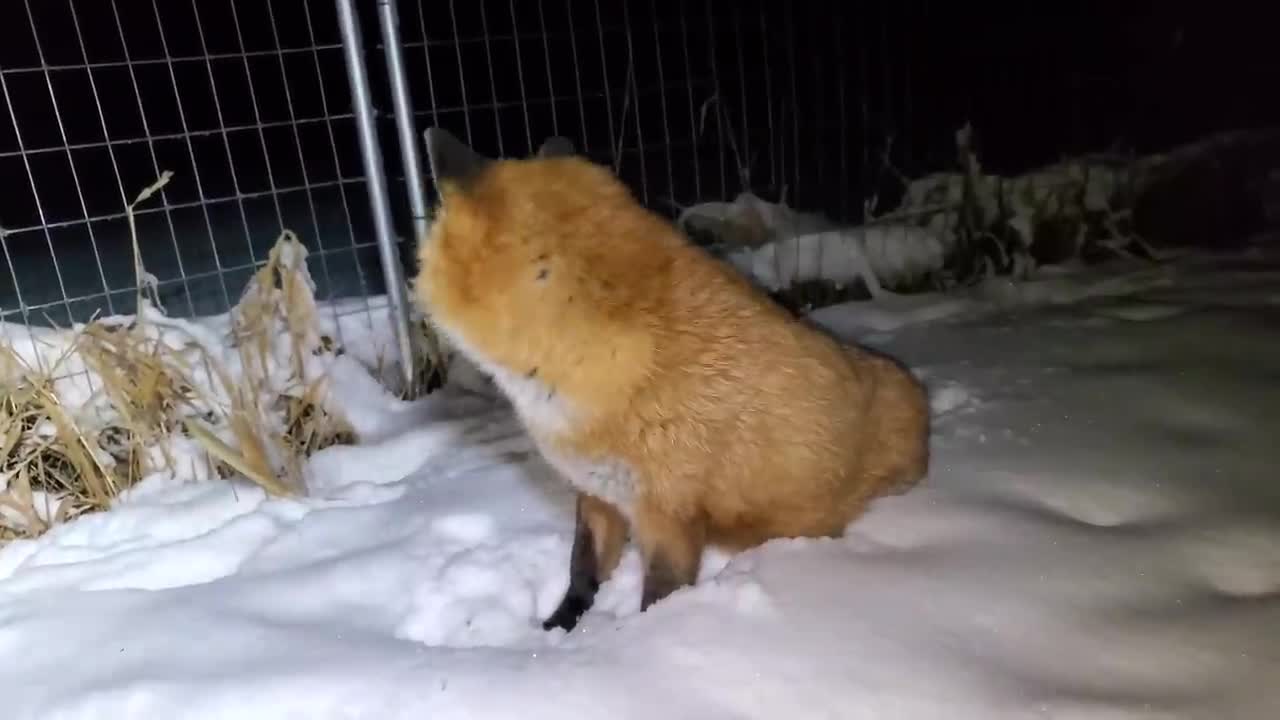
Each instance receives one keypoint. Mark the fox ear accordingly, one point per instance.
(452, 161)
(556, 146)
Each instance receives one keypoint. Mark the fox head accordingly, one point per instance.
(544, 265)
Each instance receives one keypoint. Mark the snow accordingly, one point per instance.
(1096, 539)
(876, 255)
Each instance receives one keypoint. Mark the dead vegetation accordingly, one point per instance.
(48, 462)
(90, 411)
(277, 415)
(957, 226)
(431, 362)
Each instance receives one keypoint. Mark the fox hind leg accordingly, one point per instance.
(672, 549)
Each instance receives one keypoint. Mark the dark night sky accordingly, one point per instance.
(261, 134)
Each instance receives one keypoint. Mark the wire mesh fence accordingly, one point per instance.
(235, 99)
(817, 104)
(248, 105)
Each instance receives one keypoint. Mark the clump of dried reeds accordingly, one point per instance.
(275, 414)
(49, 468)
(258, 411)
(147, 384)
(278, 416)
(431, 363)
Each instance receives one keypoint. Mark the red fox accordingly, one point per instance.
(680, 402)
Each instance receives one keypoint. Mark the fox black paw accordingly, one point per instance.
(571, 610)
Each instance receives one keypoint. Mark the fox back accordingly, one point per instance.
(681, 402)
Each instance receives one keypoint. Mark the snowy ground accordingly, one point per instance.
(1097, 539)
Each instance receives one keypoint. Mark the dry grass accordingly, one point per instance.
(277, 416)
(147, 383)
(50, 465)
(57, 461)
(430, 362)
(258, 411)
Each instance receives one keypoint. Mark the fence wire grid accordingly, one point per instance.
(249, 105)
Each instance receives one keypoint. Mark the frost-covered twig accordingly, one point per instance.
(143, 278)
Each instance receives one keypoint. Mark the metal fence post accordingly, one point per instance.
(389, 19)
(371, 155)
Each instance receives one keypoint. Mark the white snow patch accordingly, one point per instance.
(950, 397)
(876, 255)
(1051, 287)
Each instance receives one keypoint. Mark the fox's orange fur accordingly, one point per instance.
(679, 400)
